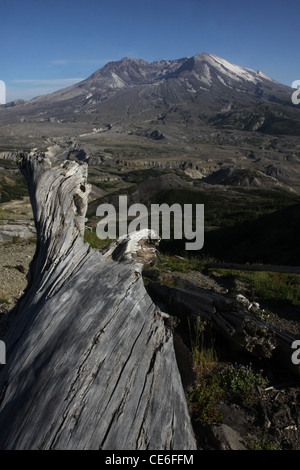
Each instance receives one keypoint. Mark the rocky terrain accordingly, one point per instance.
(202, 114)
(270, 423)
(15, 259)
(192, 130)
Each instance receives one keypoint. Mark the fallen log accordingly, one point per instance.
(255, 267)
(16, 230)
(231, 319)
(90, 362)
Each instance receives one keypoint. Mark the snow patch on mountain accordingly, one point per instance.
(234, 72)
(117, 82)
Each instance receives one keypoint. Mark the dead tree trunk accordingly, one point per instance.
(231, 319)
(90, 363)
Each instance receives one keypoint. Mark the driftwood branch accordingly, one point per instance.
(90, 362)
(231, 319)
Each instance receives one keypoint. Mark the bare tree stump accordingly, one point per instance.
(90, 362)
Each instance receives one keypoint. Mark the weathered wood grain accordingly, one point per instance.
(232, 320)
(90, 362)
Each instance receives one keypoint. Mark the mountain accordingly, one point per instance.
(197, 75)
(204, 84)
(193, 108)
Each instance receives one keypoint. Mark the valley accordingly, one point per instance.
(195, 130)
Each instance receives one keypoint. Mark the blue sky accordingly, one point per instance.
(48, 45)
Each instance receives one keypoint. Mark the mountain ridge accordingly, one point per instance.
(134, 71)
(201, 108)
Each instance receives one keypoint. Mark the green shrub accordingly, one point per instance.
(204, 398)
(240, 381)
(257, 444)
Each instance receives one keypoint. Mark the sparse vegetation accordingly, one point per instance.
(203, 351)
(204, 398)
(227, 209)
(239, 380)
(3, 298)
(230, 381)
(234, 383)
(17, 190)
(178, 263)
(206, 392)
(256, 444)
(16, 239)
(232, 210)
(7, 163)
(2, 214)
(137, 176)
(90, 236)
(274, 288)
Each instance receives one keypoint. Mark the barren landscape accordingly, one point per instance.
(195, 130)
